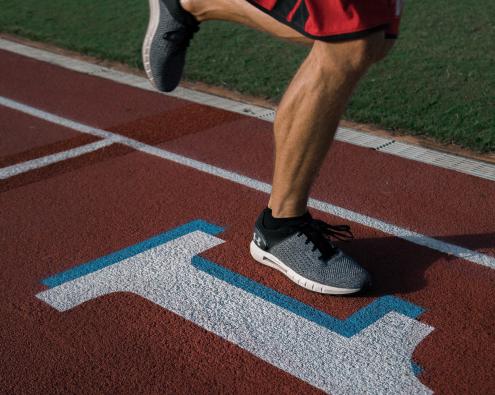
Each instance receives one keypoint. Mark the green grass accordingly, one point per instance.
(439, 81)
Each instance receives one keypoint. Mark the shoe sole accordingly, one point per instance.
(270, 260)
(154, 20)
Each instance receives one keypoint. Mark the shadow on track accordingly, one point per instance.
(399, 266)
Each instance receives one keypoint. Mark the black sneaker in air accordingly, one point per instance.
(304, 253)
(169, 33)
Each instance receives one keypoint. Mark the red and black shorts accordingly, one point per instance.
(334, 20)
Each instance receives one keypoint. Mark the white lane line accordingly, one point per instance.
(348, 135)
(413, 237)
(37, 163)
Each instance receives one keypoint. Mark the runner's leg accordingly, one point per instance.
(309, 113)
(311, 108)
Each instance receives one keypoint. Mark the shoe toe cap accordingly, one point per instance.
(344, 272)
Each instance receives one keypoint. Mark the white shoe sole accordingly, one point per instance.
(148, 39)
(269, 260)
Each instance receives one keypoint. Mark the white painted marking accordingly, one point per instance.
(413, 237)
(344, 134)
(24, 167)
(374, 361)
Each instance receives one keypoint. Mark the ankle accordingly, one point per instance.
(278, 211)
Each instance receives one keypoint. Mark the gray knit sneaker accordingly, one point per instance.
(170, 30)
(304, 254)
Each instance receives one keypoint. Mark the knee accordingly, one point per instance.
(352, 57)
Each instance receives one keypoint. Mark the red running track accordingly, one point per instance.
(84, 208)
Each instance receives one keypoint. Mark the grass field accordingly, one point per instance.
(439, 81)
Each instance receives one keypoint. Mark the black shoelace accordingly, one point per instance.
(181, 36)
(319, 233)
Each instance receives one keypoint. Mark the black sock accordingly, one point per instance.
(273, 223)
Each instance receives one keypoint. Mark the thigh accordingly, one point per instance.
(353, 54)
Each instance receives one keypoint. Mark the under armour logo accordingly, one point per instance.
(258, 240)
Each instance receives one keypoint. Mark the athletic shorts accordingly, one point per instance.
(335, 20)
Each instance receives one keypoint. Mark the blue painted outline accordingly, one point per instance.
(349, 327)
(100, 263)
(416, 368)
(352, 325)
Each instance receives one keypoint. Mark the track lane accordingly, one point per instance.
(25, 137)
(102, 103)
(436, 202)
(439, 205)
(349, 215)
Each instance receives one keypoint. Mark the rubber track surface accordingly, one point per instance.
(81, 209)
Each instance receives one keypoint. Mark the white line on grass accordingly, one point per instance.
(37, 163)
(413, 237)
